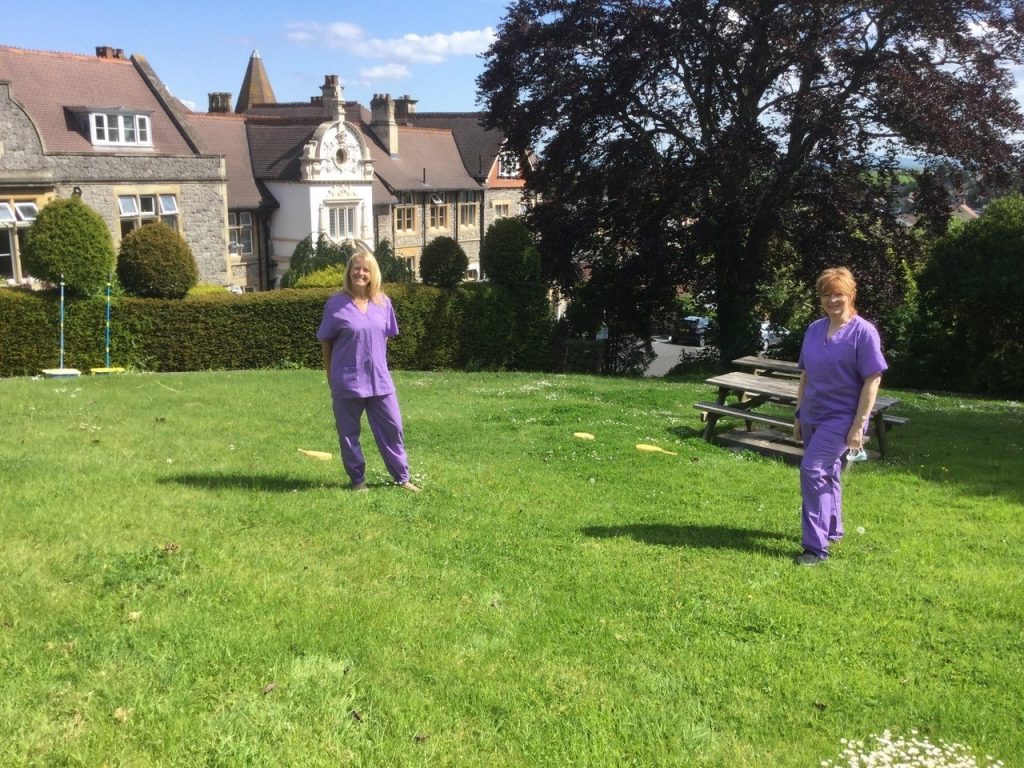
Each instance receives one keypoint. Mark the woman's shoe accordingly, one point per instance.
(807, 558)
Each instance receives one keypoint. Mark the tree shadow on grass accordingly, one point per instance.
(217, 481)
(699, 536)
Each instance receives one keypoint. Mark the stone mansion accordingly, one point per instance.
(243, 186)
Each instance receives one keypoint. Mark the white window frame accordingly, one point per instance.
(342, 221)
(508, 166)
(240, 233)
(113, 129)
(144, 208)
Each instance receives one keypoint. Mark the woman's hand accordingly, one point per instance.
(855, 437)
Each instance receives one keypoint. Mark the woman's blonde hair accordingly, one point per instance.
(374, 290)
(837, 280)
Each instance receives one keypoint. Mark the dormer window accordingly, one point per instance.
(508, 165)
(121, 129)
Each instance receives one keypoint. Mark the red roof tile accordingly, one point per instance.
(46, 83)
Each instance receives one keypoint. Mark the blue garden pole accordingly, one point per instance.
(61, 372)
(106, 340)
(62, 321)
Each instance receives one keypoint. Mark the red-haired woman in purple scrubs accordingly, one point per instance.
(353, 334)
(841, 366)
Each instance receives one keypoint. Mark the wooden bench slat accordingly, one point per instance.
(740, 413)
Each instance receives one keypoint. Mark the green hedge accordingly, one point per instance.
(478, 326)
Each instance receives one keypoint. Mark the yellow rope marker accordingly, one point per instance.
(322, 455)
(583, 435)
(653, 449)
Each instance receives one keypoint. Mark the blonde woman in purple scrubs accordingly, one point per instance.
(841, 366)
(353, 334)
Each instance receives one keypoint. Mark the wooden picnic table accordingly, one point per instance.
(768, 366)
(751, 391)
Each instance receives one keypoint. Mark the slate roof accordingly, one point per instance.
(225, 134)
(277, 134)
(48, 85)
(478, 147)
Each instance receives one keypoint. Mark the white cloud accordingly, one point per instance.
(384, 72)
(409, 49)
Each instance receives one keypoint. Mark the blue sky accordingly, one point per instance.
(429, 50)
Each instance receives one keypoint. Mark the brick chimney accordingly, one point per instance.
(404, 107)
(220, 102)
(333, 97)
(382, 121)
(107, 52)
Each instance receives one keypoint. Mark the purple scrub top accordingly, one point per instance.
(359, 364)
(836, 369)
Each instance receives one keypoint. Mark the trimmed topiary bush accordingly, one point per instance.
(508, 255)
(443, 263)
(328, 277)
(156, 263)
(70, 238)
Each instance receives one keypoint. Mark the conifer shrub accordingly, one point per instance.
(508, 255)
(443, 263)
(309, 257)
(69, 238)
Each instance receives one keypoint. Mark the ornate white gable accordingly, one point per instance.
(336, 153)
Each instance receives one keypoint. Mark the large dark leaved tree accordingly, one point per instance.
(688, 142)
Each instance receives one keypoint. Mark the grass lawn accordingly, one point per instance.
(180, 587)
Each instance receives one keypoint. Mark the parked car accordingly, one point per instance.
(691, 330)
(772, 335)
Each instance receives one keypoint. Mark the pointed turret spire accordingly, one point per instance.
(256, 87)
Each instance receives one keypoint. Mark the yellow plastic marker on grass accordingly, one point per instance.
(653, 449)
(583, 435)
(322, 455)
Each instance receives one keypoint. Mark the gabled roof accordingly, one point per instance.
(277, 134)
(478, 146)
(428, 160)
(225, 134)
(48, 85)
(256, 88)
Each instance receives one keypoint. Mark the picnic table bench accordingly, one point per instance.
(752, 390)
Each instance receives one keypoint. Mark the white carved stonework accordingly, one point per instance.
(335, 152)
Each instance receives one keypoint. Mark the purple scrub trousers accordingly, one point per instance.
(821, 512)
(836, 369)
(360, 381)
(386, 425)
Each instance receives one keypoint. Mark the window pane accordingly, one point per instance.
(127, 225)
(170, 221)
(26, 211)
(128, 205)
(112, 132)
(6, 254)
(143, 127)
(147, 205)
(245, 237)
(245, 219)
(168, 204)
(232, 219)
(6, 213)
(99, 123)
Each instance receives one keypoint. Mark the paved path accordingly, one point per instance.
(667, 357)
